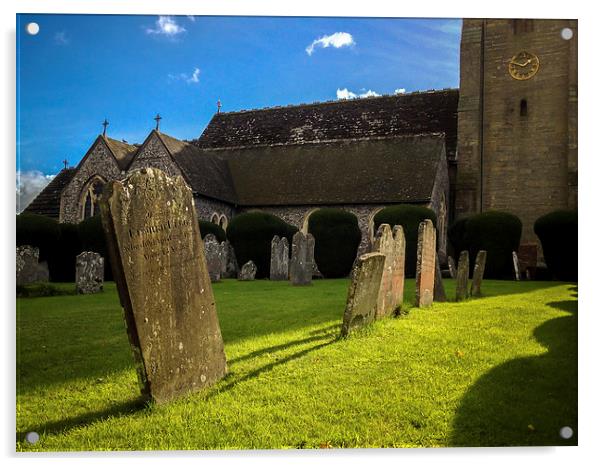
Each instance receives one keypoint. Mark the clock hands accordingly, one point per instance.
(521, 64)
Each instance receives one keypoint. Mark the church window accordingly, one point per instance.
(215, 218)
(223, 222)
(91, 197)
(523, 107)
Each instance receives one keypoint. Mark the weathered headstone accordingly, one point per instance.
(516, 265)
(363, 292)
(232, 268)
(399, 265)
(478, 272)
(439, 289)
(300, 264)
(312, 267)
(89, 272)
(451, 263)
(462, 277)
(247, 271)
(29, 269)
(159, 266)
(425, 263)
(279, 259)
(390, 296)
(214, 257)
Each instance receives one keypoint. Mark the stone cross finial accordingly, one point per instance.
(219, 105)
(105, 124)
(66, 163)
(157, 119)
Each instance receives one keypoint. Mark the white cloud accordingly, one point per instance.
(336, 40)
(166, 26)
(192, 78)
(29, 185)
(401, 90)
(61, 38)
(347, 94)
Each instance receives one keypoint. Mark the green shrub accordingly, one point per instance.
(93, 239)
(557, 232)
(38, 231)
(409, 217)
(211, 228)
(456, 235)
(61, 264)
(337, 236)
(499, 234)
(251, 236)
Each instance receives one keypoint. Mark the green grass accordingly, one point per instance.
(501, 370)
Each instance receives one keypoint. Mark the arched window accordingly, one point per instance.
(371, 229)
(215, 218)
(90, 197)
(223, 222)
(305, 227)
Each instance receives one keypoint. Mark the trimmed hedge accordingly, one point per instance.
(38, 231)
(211, 228)
(62, 262)
(557, 232)
(251, 236)
(337, 236)
(456, 236)
(499, 234)
(409, 217)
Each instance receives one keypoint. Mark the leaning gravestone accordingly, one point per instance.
(451, 263)
(279, 259)
(247, 272)
(363, 292)
(462, 277)
(159, 266)
(439, 289)
(425, 263)
(477, 274)
(29, 269)
(300, 264)
(214, 256)
(516, 264)
(89, 272)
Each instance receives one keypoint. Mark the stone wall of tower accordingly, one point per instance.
(520, 162)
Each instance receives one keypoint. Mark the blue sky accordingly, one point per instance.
(80, 69)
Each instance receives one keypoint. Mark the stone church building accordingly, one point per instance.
(506, 140)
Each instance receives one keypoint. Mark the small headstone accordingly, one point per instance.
(89, 272)
(425, 263)
(29, 269)
(399, 266)
(363, 292)
(214, 257)
(300, 263)
(247, 271)
(451, 263)
(462, 277)
(279, 259)
(312, 267)
(232, 268)
(478, 272)
(159, 266)
(439, 296)
(516, 264)
(224, 259)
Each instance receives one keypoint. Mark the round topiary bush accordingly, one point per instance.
(557, 232)
(409, 217)
(251, 236)
(93, 239)
(499, 234)
(213, 229)
(38, 231)
(337, 236)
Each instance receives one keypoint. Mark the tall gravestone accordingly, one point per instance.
(29, 269)
(477, 274)
(300, 264)
(439, 289)
(89, 272)
(159, 266)
(425, 263)
(362, 296)
(232, 268)
(462, 277)
(451, 263)
(516, 265)
(214, 255)
(279, 259)
(311, 268)
(399, 266)
(392, 245)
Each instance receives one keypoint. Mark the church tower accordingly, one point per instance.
(517, 118)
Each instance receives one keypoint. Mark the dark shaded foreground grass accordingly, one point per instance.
(501, 370)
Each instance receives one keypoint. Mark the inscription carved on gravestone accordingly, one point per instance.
(516, 265)
(28, 269)
(89, 272)
(451, 263)
(159, 266)
(247, 271)
(215, 257)
(462, 277)
(279, 259)
(425, 263)
(392, 245)
(439, 295)
(477, 274)
(362, 296)
(301, 263)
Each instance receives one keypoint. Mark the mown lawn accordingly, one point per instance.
(501, 370)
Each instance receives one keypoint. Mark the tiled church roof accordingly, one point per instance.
(48, 202)
(419, 112)
(122, 151)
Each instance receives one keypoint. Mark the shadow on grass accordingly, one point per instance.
(526, 401)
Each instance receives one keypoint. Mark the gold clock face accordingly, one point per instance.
(523, 65)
